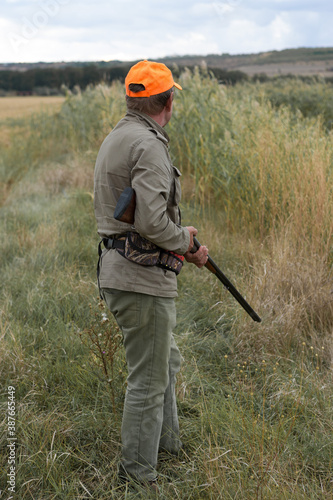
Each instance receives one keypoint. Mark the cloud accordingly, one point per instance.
(53, 30)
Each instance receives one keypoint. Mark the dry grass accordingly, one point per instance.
(56, 178)
(18, 107)
(21, 106)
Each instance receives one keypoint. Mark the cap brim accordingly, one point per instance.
(177, 86)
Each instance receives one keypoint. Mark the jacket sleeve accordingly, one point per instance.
(153, 181)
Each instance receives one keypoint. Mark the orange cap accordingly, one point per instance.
(155, 77)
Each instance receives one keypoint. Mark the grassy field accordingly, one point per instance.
(14, 110)
(19, 106)
(255, 400)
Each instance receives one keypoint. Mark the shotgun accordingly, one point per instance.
(124, 212)
(213, 268)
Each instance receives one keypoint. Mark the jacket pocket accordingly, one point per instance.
(175, 191)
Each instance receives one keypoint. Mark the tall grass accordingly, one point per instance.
(264, 168)
(254, 400)
(313, 98)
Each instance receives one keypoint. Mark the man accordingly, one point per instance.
(141, 297)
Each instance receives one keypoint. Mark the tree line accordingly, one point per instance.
(53, 79)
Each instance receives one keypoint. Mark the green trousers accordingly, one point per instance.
(150, 420)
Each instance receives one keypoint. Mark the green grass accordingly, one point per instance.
(255, 400)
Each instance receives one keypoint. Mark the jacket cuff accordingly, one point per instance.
(184, 247)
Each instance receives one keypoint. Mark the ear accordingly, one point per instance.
(168, 105)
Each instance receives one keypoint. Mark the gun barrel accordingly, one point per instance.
(213, 268)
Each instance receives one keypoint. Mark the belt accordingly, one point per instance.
(111, 243)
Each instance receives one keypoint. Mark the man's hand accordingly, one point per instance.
(200, 257)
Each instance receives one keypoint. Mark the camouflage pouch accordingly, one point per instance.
(171, 261)
(138, 249)
(142, 251)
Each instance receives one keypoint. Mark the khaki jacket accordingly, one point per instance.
(135, 153)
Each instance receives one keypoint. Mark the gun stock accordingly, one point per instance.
(125, 207)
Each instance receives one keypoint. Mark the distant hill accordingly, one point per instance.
(298, 62)
(301, 61)
(52, 78)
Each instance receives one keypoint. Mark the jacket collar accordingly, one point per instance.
(151, 124)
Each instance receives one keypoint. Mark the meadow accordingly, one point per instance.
(254, 400)
(20, 106)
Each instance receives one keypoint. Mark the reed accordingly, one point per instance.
(263, 168)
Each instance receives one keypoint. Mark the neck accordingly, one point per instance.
(160, 119)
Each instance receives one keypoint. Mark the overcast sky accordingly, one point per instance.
(88, 30)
